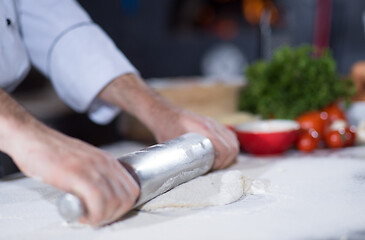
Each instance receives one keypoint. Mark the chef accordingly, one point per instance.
(91, 75)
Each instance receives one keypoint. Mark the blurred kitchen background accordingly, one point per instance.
(195, 40)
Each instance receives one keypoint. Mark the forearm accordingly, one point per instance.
(131, 93)
(14, 122)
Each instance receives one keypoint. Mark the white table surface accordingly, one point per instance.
(315, 196)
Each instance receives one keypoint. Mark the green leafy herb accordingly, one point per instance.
(292, 83)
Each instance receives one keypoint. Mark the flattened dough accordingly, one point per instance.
(218, 188)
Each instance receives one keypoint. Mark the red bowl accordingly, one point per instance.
(267, 137)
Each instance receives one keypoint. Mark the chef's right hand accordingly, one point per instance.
(106, 189)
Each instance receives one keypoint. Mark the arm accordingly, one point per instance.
(130, 93)
(104, 186)
(74, 52)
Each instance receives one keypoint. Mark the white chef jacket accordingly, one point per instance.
(59, 38)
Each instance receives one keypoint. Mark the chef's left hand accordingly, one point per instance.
(166, 121)
(224, 140)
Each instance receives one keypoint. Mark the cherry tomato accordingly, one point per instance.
(334, 112)
(340, 134)
(314, 120)
(308, 141)
(350, 136)
(336, 138)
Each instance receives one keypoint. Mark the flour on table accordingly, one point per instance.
(218, 188)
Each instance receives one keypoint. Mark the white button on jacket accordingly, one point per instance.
(59, 38)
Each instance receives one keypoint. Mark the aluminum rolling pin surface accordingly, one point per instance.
(157, 169)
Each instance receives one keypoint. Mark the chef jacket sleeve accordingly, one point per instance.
(75, 53)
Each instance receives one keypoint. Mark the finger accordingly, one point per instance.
(129, 183)
(233, 143)
(228, 147)
(233, 137)
(125, 177)
(117, 199)
(116, 191)
(120, 199)
(229, 141)
(228, 133)
(126, 191)
(94, 192)
(230, 136)
(218, 142)
(221, 148)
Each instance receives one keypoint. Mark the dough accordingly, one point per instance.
(218, 188)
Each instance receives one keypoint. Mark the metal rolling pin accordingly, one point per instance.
(157, 169)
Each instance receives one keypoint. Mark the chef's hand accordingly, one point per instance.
(103, 185)
(224, 141)
(130, 93)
